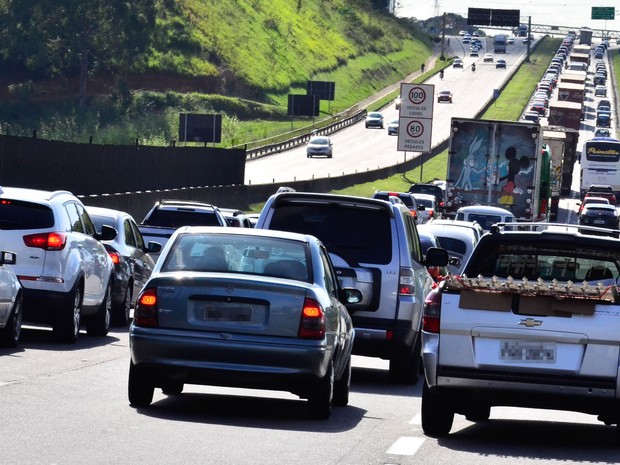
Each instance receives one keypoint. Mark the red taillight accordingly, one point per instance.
(312, 324)
(430, 213)
(46, 241)
(145, 313)
(115, 256)
(406, 285)
(432, 312)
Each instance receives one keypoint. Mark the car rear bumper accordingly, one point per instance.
(225, 360)
(384, 339)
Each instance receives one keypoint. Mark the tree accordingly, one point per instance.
(69, 37)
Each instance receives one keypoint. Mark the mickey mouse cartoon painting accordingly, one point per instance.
(515, 166)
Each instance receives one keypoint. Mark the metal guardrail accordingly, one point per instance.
(302, 139)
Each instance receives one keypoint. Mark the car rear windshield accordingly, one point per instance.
(178, 218)
(546, 262)
(17, 214)
(356, 234)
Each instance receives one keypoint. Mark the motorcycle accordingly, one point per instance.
(473, 68)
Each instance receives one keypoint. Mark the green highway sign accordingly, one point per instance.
(603, 12)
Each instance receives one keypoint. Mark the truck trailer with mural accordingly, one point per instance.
(500, 163)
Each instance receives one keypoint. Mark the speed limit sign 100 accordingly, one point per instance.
(417, 100)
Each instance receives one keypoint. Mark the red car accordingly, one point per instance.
(444, 96)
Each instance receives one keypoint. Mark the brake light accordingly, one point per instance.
(145, 313)
(430, 213)
(115, 256)
(312, 324)
(432, 312)
(405, 282)
(46, 241)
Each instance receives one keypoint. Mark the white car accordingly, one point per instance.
(427, 208)
(64, 269)
(485, 215)
(320, 146)
(487, 58)
(458, 241)
(10, 302)
(392, 128)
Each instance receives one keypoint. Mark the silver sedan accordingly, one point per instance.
(244, 308)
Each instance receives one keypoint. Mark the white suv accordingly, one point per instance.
(65, 271)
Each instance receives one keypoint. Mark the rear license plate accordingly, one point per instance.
(527, 351)
(599, 221)
(228, 314)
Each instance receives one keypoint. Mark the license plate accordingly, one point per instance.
(599, 221)
(527, 351)
(228, 314)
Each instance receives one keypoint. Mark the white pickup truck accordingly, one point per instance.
(533, 321)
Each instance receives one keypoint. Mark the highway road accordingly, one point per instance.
(357, 149)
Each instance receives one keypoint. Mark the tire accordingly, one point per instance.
(406, 370)
(321, 398)
(67, 324)
(99, 324)
(172, 388)
(121, 312)
(342, 387)
(9, 335)
(437, 415)
(140, 388)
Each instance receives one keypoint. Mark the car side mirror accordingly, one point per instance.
(436, 257)
(349, 295)
(153, 247)
(107, 233)
(8, 258)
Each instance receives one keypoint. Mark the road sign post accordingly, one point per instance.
(416, 117)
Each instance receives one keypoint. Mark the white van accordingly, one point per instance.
(485, 215)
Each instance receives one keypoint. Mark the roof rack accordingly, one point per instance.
(553, 227)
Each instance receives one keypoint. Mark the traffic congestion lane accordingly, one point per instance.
(359, 149)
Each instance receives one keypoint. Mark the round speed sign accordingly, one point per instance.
(415, 129)
(417, 95)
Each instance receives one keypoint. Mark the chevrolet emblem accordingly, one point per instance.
(530, 322)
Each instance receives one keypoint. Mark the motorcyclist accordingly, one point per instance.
(441, 74)
(473, 67)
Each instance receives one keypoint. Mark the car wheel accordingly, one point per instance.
(99, 324)
(140, 387)
(321, 397)
(329, 156)
(406, 370)
(437, 416)
(172, 388)
(343, 386)
(309, 156)
(121, 312)
(9, 335)
(67, 324)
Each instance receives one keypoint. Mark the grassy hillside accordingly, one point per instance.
(239, 58)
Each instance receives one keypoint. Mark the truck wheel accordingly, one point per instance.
(437, 415)
(99, 323)
(321, 397)
(406, 370)
(67, 324)
(342, 386)
(140, 387)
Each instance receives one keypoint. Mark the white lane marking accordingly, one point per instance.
(417, 420)
(406, 446)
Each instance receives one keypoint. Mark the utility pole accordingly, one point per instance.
(443, 37)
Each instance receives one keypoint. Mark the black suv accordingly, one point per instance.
(432, 189)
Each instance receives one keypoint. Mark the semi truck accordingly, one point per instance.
(585, 36)
(499, 43)
(561, 144)
(567, 114)
(499, 163)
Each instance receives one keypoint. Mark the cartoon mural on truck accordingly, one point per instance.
(495, 163)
